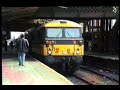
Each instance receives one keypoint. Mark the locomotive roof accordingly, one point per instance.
(61, 23)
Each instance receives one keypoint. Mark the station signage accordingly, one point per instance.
(42, 21)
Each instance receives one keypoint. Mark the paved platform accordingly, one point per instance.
(102, 55)
(33, 73)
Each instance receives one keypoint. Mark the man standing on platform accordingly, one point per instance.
(22, 45)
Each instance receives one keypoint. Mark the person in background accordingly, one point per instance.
(5, 45)
(90, 45)
(11, 45)
(22, 46)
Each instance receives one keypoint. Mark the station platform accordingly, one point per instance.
(33, 73)
(102, 55)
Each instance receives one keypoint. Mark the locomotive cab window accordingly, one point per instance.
(54, 32)
(72, 33)
(63, 33)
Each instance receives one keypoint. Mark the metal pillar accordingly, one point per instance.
(101, 37)
(110, 37)
(92, 26)
(88, 24)
(106, 37)
(84, 27)
(97, 21)
(114, 38)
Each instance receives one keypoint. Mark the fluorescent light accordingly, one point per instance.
(62, 7)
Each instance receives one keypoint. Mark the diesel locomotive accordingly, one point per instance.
(58, 41)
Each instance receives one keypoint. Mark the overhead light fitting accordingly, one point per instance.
(62, 7)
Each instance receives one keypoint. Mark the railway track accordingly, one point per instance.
(99, 67)
(90, 77)
(104, 64)
(103, 72)
(83, 80)
(77, 81)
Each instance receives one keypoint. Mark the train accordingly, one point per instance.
(58, 41)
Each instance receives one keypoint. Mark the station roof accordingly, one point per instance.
(14, 18)
(20, 18)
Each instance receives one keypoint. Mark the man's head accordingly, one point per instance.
(21, 36)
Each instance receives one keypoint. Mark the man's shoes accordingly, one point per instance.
(21, 65)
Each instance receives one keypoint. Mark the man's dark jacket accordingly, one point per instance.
(22, 45)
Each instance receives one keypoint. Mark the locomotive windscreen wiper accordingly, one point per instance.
(68, 34)
(58, 34)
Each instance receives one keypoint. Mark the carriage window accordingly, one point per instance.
(54, 32)
(72, 32)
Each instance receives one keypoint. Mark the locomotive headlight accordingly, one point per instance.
(77, 52)
(80, 42)
(49, 52)
(52, 42)
(46, 42)
(63, 52)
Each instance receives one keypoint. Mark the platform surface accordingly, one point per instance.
(33, 73)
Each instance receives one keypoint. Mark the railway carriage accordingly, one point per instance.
(58, 41)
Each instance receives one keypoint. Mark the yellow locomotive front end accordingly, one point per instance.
(63, 42)
(55, 48)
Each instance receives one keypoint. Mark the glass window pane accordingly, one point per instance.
(54, 32)
(72, 32)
